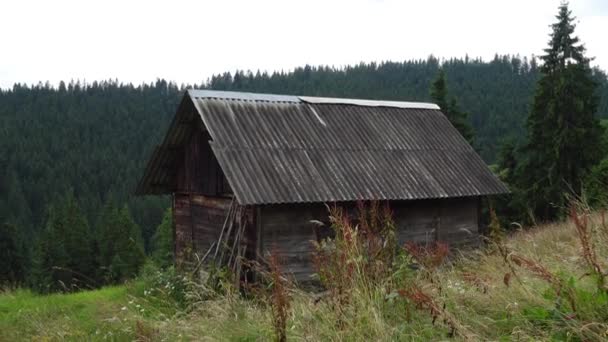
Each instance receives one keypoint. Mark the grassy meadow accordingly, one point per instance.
(535, 284)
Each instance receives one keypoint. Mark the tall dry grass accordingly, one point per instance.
(541, 283)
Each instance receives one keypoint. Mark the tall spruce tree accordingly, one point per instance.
(564, 135)
(458, 118)
(121, 252)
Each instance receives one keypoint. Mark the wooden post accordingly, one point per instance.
(174, 230)
(258, 233)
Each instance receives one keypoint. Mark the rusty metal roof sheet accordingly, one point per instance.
(289, 149)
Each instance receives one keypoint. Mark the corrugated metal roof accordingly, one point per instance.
(274, 149)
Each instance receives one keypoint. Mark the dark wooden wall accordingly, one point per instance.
(198, 222)
(199, 171)
(201, 197)
(453, 220)
(286, 229)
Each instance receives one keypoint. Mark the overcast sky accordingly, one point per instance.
(188, 41)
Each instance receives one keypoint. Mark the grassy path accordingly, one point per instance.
(77, 316)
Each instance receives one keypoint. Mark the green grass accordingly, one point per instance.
(77, 316)
(125, 313)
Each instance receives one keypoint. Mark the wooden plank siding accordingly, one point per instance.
(286, 229)
(454, 221)
(459, 224)
(198, 222)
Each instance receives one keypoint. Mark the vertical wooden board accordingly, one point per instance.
(258, 232)
(173, 227)
(180, 174)
(198, 170)
(182, 223)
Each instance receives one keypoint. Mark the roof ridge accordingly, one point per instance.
(265, 97)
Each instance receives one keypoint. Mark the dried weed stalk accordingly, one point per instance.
(425, 302)
(279, 297)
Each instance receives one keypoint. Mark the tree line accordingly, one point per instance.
(68, 254)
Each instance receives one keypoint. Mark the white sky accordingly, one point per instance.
(188, 41)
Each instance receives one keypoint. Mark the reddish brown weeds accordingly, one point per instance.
(360, 255)
(584, 233)
(279, 298)
(430, 256)
(364, 250)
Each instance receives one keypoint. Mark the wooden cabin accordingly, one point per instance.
(261, 167)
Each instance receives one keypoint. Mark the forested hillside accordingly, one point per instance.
(91, 139)
(95, 139)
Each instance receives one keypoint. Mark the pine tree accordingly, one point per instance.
(78, 244)
(162, 241)
(458, 118)
(564, 136)
(64, 257)
(439, 91)
(132, 251)
(107, 232)
(50, 258)
(121, 252)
